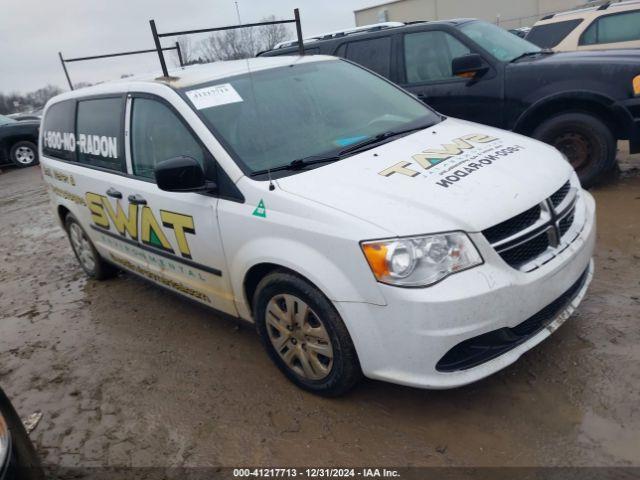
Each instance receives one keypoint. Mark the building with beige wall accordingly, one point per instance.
(507, 13)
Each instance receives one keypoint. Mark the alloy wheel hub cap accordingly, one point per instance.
(299, 337)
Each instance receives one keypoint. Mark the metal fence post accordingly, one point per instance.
(296, 15)
(64, 67)
(156, 40)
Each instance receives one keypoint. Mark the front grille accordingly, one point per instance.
(478, 350)
(523, 239)
(513, 225)
(565, 223)
(560, 195)
(527, 251)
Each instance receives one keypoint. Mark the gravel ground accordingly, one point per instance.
(126, 374)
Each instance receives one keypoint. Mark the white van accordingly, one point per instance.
(361, 231)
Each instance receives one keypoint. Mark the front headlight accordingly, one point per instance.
(4, 441)
(422, 260)
(636, 85)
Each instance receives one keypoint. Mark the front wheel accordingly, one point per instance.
(304, 335)
(586, 141)
(88, 257)
(24, 154)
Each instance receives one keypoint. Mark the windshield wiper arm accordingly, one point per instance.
(301, 163)
(529, 54)
(380, 137)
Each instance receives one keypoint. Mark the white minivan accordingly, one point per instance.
(362, 232)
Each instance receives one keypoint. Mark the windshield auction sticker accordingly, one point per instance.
(214, 96)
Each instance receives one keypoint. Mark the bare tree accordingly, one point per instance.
(15, 102)
(272, 34)
(243, 43)
(190, 50)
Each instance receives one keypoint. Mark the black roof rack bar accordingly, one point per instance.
(119, 54)
(218, 29)
(157, 36)
(64, 61)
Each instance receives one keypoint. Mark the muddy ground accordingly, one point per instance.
(127, 374)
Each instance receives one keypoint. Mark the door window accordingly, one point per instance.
(374, 54)
(157, 134)
(619, 27)
(428, 56)
(99, 133)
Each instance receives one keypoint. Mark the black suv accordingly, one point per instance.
(580, 102)
(18, 142)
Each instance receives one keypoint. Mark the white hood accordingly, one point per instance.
(489, 176)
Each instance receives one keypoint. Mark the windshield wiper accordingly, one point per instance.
(380, 137)
(530, 54)
(301, 163)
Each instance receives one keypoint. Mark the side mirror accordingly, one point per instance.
(181, 174)
(468, 66)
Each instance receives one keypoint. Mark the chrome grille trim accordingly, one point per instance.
(560, 223)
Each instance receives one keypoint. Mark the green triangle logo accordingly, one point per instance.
(153, 238)
(260, 211)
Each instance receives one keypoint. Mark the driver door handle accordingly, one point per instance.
(112, 192)
(137, 199)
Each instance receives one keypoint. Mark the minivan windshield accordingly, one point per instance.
(500, 43)
(271, 118)
(4, 120)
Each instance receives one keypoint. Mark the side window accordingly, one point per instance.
(58, 131)
(428, 56)
(619, 27)
(374, 54)
(157, 134)
(99, 133)
(551, 34)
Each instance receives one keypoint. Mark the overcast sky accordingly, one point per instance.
(33, 31)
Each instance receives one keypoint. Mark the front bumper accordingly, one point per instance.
(403, 341)
(628, 113)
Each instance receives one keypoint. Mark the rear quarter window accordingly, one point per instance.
(613, 28)
(58, 131)
(99, 133)
(551, 34)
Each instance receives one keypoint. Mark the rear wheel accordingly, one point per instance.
(304, 335)
(587, 142)
(24, 154)
(88, 257)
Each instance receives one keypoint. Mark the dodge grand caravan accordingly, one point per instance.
(361, 231)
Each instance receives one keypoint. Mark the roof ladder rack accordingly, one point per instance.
(159, 49)
(157, 36)
(64, 61)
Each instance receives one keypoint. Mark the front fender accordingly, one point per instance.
(332, 279)
(557, 102)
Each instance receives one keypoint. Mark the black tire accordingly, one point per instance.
(100, 270)
(25, 464)
(345, 370)
(586, 141)
(24, 154)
